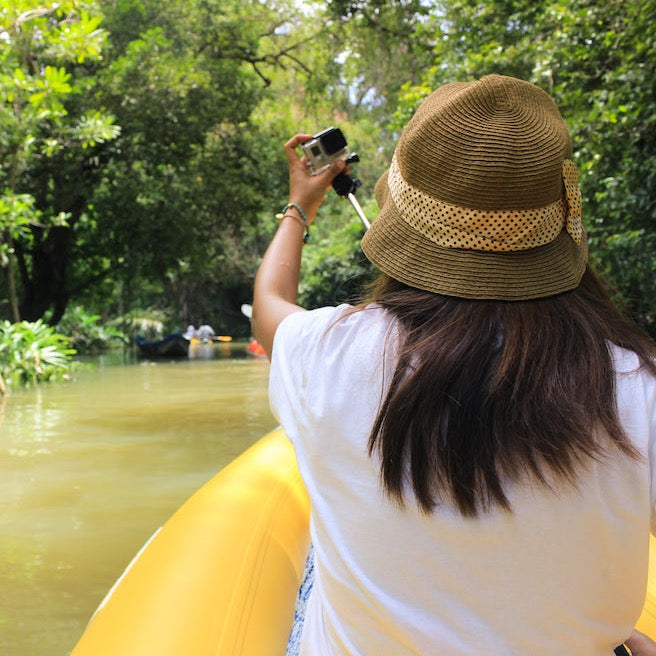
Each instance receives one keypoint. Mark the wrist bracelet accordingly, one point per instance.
(298, 209)
(303, 219)
(280, 217)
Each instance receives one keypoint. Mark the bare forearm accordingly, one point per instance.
(279, 271)
(276, 283)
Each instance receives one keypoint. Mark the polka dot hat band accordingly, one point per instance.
(482, 199)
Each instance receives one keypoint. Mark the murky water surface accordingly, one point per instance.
(89, 469)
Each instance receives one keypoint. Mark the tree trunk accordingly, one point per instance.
(11, 283)
(47, 286)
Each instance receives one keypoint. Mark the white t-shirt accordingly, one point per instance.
(565, 572)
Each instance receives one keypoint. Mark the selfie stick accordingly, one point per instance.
(359, 212)
(346, 186)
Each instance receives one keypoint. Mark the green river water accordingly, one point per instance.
(91, 468)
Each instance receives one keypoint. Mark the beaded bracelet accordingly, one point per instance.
(281, 215)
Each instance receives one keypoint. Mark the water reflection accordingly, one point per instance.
(88, 470)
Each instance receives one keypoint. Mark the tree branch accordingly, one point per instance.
(272, 59)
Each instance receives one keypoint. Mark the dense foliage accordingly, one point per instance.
(140, 159)
(49, 128)
(32, 352)
(88, 333)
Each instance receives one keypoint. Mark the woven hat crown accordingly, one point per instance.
(498, 143)
(481, 199)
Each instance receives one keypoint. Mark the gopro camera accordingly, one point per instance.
(325, 148)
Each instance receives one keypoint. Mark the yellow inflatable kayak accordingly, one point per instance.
(221, 577)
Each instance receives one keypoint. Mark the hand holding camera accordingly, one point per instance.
(325, 148)
(307, 190)
(325, 156)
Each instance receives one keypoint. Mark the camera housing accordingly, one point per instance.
(325, 148)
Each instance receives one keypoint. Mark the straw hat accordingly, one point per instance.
(481, 199)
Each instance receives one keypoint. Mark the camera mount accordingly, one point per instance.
(346, 186)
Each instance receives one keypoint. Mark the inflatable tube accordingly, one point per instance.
(647, 621)
(221, 577)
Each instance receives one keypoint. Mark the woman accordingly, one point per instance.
(477, 438)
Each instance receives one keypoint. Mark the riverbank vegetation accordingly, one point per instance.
(32, 352)
(140, 141)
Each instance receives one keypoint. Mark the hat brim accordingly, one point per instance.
(406, 255)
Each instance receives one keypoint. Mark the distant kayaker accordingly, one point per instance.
(205, 333)
(478, 436)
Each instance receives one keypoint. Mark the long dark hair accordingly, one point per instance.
(488, 392)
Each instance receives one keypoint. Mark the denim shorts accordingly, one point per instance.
(294, 644)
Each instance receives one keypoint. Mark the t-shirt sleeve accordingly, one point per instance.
(651, 404)
(295, 352)
(286, 379)
(636, 398)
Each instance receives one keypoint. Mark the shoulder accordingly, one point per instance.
(332, 332)
(627, 363)
(332, 321)
(311, 320)
(636, 383)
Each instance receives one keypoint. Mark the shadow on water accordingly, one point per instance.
(89, 469)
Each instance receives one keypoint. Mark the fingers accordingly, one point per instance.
(641, 645)
(334, 169)
(308, 190)
(337, 167)
(293, 144)
(293, 158)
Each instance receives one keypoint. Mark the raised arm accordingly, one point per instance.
(641, 645)
(276, 283)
